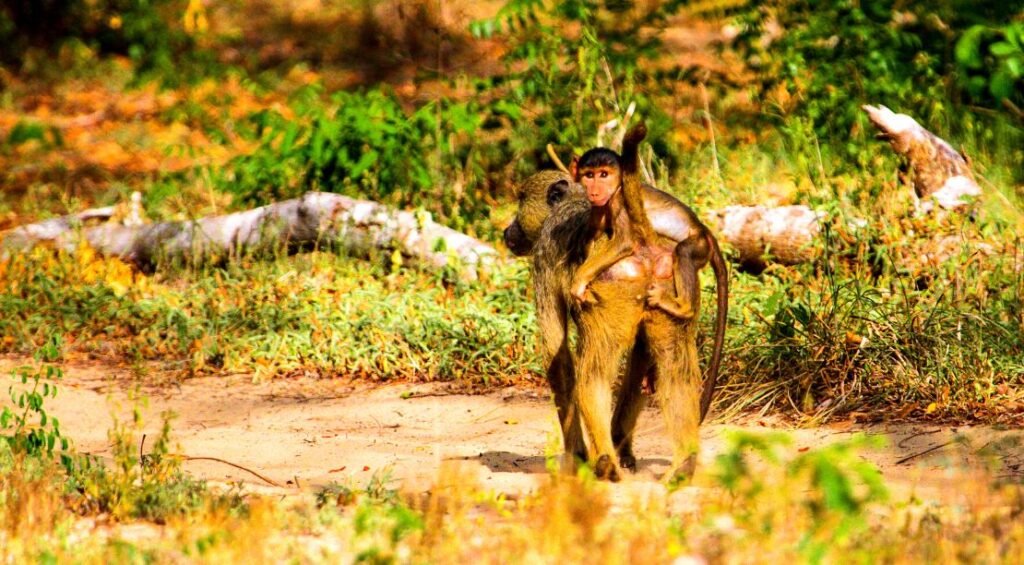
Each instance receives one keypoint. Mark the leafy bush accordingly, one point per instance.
(821, 60)
(366, 145)
(572, 65)
(882, 329)
(991, 60)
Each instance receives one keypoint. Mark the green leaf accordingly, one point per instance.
(1015, 66)
(968, 49)
(1002, 84)
(1003, 49)
(976, 85)
(1015, 34)
(365, 162)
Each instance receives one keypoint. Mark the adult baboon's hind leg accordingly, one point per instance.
(629, 402)
(674, 353)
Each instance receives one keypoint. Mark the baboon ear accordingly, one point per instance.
(574, 166)
(557, 192)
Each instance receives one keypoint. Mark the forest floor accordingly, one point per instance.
(306, 433)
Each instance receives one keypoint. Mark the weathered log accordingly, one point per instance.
(357, 226)
(785, 232)
(941, 175)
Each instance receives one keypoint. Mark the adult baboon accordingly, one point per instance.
(551, 224)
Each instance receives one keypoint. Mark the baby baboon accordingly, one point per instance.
(611, 189)
(609, 329)
(616, 209)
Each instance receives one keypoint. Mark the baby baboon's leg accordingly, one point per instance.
(605, 335)
(630, 401)
(674, 354)
(690, 256)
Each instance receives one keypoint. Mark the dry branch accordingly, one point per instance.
(940, 173)
(358, 226)
(940, 176)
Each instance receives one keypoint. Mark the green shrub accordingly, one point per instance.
(366, 145)
(822, 60)
(991, 62)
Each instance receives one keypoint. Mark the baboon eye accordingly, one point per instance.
(556, 192)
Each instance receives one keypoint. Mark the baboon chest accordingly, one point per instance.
(649, 262)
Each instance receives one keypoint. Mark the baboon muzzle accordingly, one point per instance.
(516, 240)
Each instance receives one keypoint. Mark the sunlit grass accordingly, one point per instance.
(313, 314)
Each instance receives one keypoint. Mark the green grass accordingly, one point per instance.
(315, 313)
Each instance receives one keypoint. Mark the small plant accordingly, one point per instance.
(832, 485)
(150, 485)
(26, 427)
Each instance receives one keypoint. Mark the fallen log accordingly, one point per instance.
(939, 174)
(316, 218)
(785, 232)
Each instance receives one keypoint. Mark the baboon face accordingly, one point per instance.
(601, 183)
(538, 194)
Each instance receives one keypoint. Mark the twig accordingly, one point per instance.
(711, 131)
(235, 465)
(925, 452)
(554, 157)
(1013, 108)
(912, 436)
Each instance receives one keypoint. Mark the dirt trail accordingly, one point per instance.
(316, 432)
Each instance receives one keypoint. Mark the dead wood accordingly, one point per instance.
(316, 218)
(940, 175)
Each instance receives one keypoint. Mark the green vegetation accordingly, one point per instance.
(313, 314)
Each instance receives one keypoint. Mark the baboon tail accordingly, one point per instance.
(722, 286)
(632, 189)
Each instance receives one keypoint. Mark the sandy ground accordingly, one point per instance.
(310, 433)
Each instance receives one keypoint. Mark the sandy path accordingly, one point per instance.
(316, 432)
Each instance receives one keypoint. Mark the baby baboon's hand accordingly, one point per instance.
(655, 295)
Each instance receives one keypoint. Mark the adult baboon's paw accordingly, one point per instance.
(683, 474)
(605, 468)
(627, 461)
